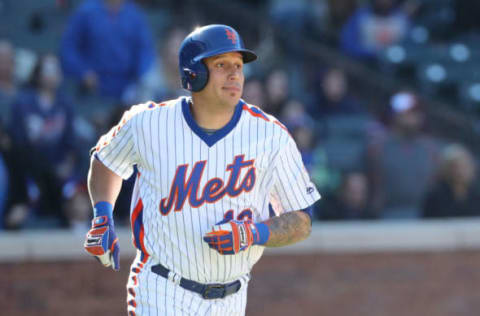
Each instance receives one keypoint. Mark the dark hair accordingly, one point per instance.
(34, 80)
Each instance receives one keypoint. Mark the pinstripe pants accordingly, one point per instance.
(149, 294)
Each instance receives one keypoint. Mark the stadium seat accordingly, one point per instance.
(436, 15)
(345, 141)
(35, 25)
(344, 155)
(469, 96)
(347, 126)
(445, 79)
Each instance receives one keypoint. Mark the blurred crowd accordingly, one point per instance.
(368, 164)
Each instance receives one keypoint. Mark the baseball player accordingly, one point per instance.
(208, 167)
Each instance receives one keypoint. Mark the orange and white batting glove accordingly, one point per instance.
(101, 240)
(231, 237)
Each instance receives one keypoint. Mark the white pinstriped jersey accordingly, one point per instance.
(188, 181)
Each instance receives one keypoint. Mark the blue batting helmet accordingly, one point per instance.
(205, 42)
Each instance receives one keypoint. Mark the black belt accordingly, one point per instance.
(208, 291)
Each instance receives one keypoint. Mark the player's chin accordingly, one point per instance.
(232, 95)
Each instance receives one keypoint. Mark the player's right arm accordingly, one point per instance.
(101, 240)
(103, 184)
(111, 162)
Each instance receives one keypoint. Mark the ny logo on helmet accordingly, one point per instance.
(231, 36)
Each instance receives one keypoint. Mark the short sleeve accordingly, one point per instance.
(292, 188)
(116, 149)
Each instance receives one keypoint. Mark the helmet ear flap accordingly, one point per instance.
(189, 73)
(195, 78)
(188, 78)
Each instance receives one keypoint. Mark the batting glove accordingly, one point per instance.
(231, 237)
(101, 240)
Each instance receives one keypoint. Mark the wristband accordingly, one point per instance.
(103, 208)
(309, 212)
(263, 233)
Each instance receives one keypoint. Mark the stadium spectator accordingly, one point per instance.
(42, 135)
(304, 136)
(456, 193)
(301, 127)
(254, 91)
(77, 206)
(299, 18)
(161, 81)
(4, 188)
(8, 90)
(338, 13)
(349, 201)
(294, 114)
(402, 163)
(107, 46)
(169, 59)
(332, 96)
(293, 15)
(8, 86)
(277, 91)
(374, 27)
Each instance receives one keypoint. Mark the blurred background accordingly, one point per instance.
(381, 96)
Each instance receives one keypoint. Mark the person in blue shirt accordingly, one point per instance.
(373, 27)
(4, 184)
(8, 84)
(41, 129)
(333, 97)
(107, 46)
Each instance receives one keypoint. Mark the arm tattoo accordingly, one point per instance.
(288, 229)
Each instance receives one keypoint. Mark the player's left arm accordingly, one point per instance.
(296, 194)
(229, 237)
(293, 191)
(288, 228)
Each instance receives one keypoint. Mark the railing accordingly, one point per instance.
(326, 237)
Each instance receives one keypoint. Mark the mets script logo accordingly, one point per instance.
(231, 36)
(215, 189)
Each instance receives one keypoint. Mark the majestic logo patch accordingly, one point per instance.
(215, 189)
